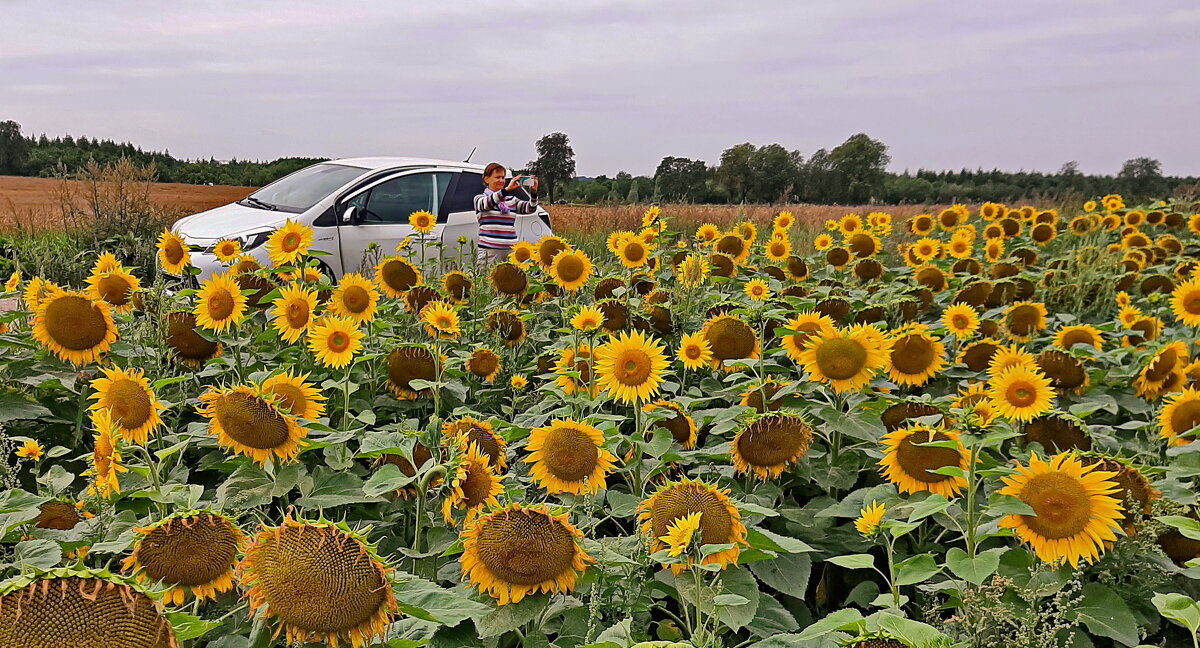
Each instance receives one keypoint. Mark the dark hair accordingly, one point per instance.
(491, 168)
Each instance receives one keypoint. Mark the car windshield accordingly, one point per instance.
(304, 188)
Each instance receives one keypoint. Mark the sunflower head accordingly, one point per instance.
(571, 269)
(568, 456)
(720, 519)
(547, 248)
(334, 340)
(293, 312)
(910, 459)
(507, 325)
(186, 343)
(173, 253)
(846, 359)
(287, 244)
(191, 552)
(74, 327)
(1021, 393)
(730, 339)
(294, 396)
(130, 401)
(770, 443)
(515, 551)
(630, 366)
(395, 275)
(422, 221)
(412, 362)
(915, 356)
(355, 299)
(484, 363)
(472, 486)
(441, 320)
(320, 582)
(249, 422)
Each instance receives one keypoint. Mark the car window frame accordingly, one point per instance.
(370, 184)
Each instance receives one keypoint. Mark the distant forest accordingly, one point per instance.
(854, 172)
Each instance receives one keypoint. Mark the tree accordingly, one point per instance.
(1142, 176)
(679, 179)
(1069, 169)
(775, 173)
(736, 172)
(555, 162)
(861, 163)
(632, 197)
(14, 148)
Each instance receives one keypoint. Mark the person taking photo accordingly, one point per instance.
(497, 208)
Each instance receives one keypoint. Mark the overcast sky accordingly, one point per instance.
(1017, 84)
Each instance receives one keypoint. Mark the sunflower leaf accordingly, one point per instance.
(1104, 613)
(974, 570)
(853, 561)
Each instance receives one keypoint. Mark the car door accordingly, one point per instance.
(379, 219)
(460, 229)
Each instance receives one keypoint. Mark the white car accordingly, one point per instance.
(351, 204)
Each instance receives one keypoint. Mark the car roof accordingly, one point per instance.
(387, 162)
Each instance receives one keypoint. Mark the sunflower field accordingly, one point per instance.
(971, 428)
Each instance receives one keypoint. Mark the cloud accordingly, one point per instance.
(1021, 84)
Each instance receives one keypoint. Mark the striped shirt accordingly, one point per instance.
(497, 229)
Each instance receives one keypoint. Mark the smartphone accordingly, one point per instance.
(526, 180)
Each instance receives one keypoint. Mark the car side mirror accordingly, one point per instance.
(349, 214)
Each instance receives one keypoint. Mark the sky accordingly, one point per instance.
(1018, 84)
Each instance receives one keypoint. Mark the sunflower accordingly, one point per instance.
(1065, 371)
(568, 456)
(778, 249)
(472, 485)
(132, 406)
(630, 366)
(220, 303)
(76, 329)
(869, 518)
(850, 223)
(469, 431)
(1021, 393)
(1007, 357)
(1075, 511)
(759, 393)
(694, 351)
(823, 242)
(518, 382)
(1156, 376)
(1025, 319)
(769, 444)
(994, 250)
(190, 552)
(720, 520)
(961, 320)
(251, 423)
(31, 449)
(1069, 336)
(185, 342)
(457, 285)
(707, 233)
(1185, 303)
(680, 533)
(915, 356)
(355, 299)
(334, 340)
(173, 253)
(81, 608)
(632, 253)
(730, 339)
(678, 422)
(509, 279)
(926, 249)
(863, 245)
(508, 325)
(116, 287)
(408, 363)
(848, 358)
(908, 464)
(287, 244)
(293, 313)
(757, 289)
(806, 325)
(572, 361)
(441, 320)
(321, 582)
(692, 271)
(14, 282)
(227, 250)
(722, 265)
(589, 318)
(571, 269)
(515, 551)
(547, 248)
(1180, 414)
(294, 396)
(395, 276)
(106, 456)
(484, 363)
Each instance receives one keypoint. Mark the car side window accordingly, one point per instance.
(463, 199)
(395, 200)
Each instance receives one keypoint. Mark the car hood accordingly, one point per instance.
(228, 220)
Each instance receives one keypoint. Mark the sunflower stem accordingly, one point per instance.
(891, 558)
(972, 546)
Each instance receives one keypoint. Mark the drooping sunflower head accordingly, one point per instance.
(1076, 512)
(395, 275)
(173, 253)
(675, 420)
(915, 356)
(473, 484)
(547, 248)
(722, 265)
(287, 244)
(250, 423)
(507, 325)
(320, 582)
(761, 396)
(457, 285)
(1069, 336)
(126, 394)
(294, 396)
(730, 338)
(898, 414)
(771, 443)
(571, 269)
(334, 340)
(185, 342)
(1135, 488)
(469, 431)
(515, 551)
(1057, 433)
(735, 246)
(846, 359)
(294, 312)
(720, 519)
(1025, 319)
(509, 279)
(73, 327)
(82, 609)
(1066, 372)
(190, 552)
(355, 299)
(630, 366)
(484, 363)
(978, 355)
(910, 459)
(412, 362)
(568, 456)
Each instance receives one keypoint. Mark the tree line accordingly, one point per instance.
(854, 172)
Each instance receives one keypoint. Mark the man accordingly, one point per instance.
(497, 209)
